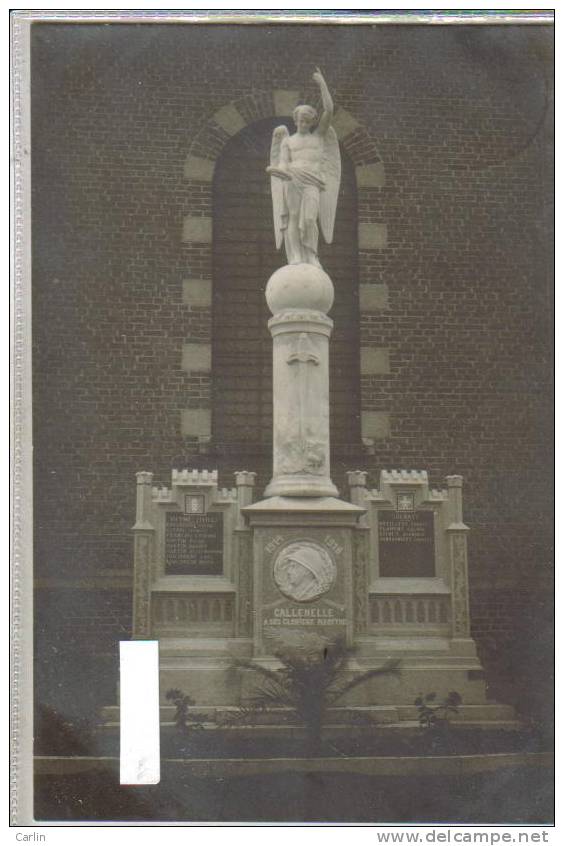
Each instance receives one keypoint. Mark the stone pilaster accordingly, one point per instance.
(357, 483)
(143, 551)
(245, 482)
(361, 541)
(458, 532)
(244, 553)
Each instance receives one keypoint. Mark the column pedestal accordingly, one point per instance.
(303, 552)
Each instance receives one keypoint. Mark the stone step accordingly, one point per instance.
(407, 728)
(220, 768)
(489, 714)
(273, 716)
(490, 711)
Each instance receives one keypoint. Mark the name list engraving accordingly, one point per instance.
(406, 541)
(194, 544)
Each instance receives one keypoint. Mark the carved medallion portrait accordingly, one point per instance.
(304, 570)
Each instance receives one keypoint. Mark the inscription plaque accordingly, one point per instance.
(194, 544)
(406, 542)
(303, 590)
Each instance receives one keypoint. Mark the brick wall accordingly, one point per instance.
(448, 130)
(77, 631)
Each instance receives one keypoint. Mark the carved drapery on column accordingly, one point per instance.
(301, 406)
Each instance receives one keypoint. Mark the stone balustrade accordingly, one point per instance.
(187, 612)
(409, 611)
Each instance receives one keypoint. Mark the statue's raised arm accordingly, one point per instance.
(327, 100)
(305, 171)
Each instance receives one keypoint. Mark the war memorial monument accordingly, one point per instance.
(229, 573)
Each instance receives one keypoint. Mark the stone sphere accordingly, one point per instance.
(300, 286)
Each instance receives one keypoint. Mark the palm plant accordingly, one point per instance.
(309, 682)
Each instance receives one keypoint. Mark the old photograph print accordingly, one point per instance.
(331, 505)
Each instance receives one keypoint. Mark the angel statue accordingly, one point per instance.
(305, 171)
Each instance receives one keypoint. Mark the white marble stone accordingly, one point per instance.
(197, 292)
(285, 101)
(299, 295)
(196, 167)
(299, 286)
(301, 404)
(374, 361)
(197, 230)
(305, 174)
(344, 123)
(337, 511)
(304, 571)
(370, 175)
(373, 297)
(375, 424)
(196, 357)
(230, 120)
(195, 422)
(372, 236)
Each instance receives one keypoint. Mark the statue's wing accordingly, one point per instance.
(277, 184)
(332, 175)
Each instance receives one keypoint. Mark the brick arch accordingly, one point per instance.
(238, 114)
(199, 169)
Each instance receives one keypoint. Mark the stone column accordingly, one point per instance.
(144, 534)
(458, 531)
(299, 297)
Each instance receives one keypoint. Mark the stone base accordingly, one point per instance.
(438, 668)
(303, 575)
(441, 666)
(203, 669)
(307, 486)
(487, 715)
(291, 510)
(206, 670)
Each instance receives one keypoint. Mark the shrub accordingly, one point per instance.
(436, 716)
